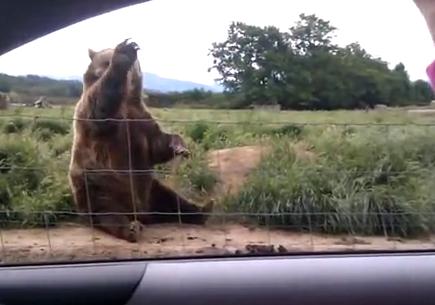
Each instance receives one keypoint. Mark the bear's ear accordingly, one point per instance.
(91, 53)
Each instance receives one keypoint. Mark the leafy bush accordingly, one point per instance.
(289, 130)
(60, 145)
(202, 179)
(33, 187)
(197, 131)
(216, 137)
(20, 162)
(194, 174)
(53, 126)
(14, 126)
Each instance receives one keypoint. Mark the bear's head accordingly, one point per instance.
(100, 63)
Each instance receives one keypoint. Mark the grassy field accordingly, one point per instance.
(363, 172)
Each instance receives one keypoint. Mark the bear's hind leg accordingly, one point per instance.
(107, 199)
(179, 209)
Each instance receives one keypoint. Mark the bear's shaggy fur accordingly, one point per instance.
(112, 158)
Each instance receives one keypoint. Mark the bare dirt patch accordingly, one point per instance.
(71, 242)
(233, 165)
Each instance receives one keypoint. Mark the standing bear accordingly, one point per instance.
(116, 144)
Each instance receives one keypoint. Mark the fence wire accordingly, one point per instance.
(313, 186)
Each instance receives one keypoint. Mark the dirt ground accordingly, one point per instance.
(73, 242)
(233, 165)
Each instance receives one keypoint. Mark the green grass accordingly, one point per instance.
(374, 179)
(33, 183)
(357, 184)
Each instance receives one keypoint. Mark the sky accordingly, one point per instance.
(175, 35)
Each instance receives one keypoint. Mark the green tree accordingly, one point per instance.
(304, 69)
(312, 34)
(400, 85)
(248, 61)
(422, 92)
(5, 87)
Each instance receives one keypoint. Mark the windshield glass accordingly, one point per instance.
(219, 128)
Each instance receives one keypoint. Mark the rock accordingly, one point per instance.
(260, 249)
(164, 239)
(282, 249)
(213, 251)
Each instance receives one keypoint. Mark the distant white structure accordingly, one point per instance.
(18, 105)
(274, 108)
(381, 107)
(41, 103)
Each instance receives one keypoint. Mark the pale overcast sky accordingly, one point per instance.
(175, 35)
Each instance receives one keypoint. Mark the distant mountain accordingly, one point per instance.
(162, 84)
(155, 82)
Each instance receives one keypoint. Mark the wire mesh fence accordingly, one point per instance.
(277, 185)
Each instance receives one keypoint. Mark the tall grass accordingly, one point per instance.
(33, 185)
(361, 183)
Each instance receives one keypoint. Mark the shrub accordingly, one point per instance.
(195, 176)
(33, 187)
(288, 130)
(50, 204)
(202, 179)
(197, 131)
(60, 145)
(19, 162)
(14, 126)
(216, 137)
(52, 126)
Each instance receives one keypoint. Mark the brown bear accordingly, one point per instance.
(116, 144)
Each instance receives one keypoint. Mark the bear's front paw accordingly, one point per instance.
(125, 55)
(134, 231)
(179, 147)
